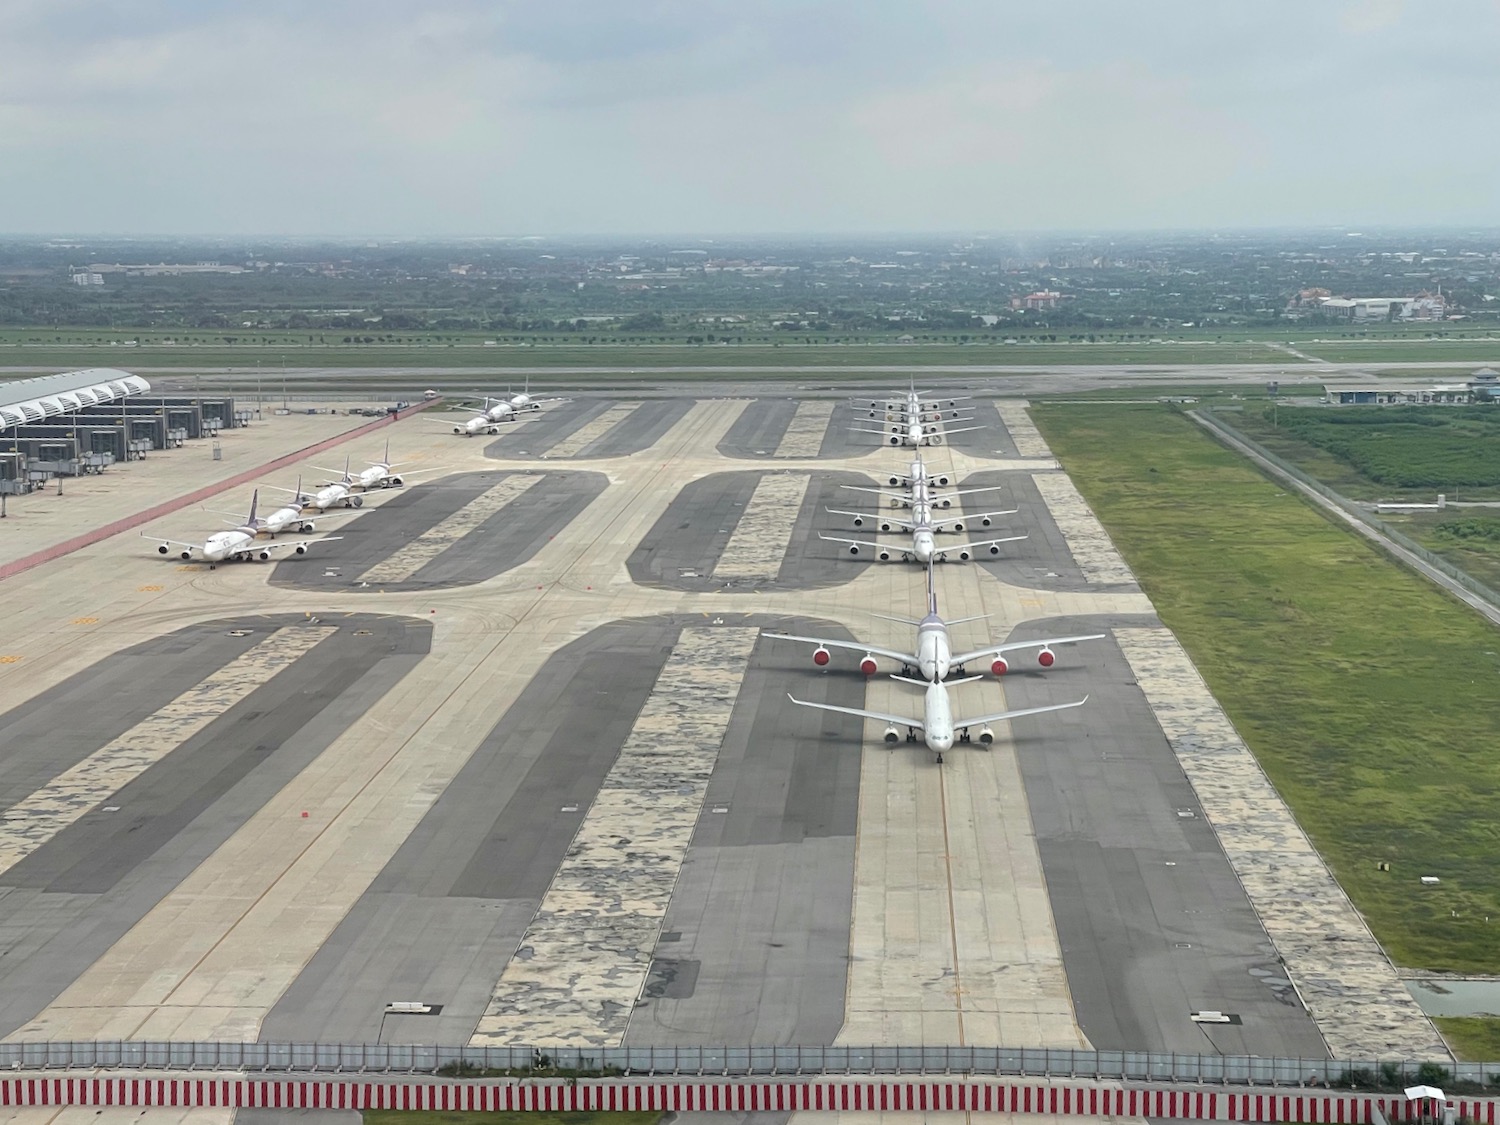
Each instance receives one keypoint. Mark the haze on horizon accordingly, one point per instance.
(462, 117)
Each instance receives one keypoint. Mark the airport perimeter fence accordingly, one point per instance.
(685, 1061)
(1364, 515)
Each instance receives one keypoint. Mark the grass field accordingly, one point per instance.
(442, 1117)
(1371, 699)
(1473, 1038)
(1403, 350)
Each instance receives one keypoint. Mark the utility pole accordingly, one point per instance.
(258, 395)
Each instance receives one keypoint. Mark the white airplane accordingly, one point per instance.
(922, 513)
(915, 433)
(235, 544)
(934, 658)
(921, 492)
(380, 474)
(915, 472)
(338, 492)
(912, 404)
(923, 547)
(940, 728)
(524, 401)
(490, 419)
(289, 515)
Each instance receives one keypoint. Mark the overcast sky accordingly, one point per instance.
(448, 117)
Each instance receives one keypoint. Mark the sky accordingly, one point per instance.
(438, 118)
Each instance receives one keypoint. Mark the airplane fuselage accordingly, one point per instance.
(937, 719)
(923, 544)
(283, 518)
(934, 651)
(329, 495)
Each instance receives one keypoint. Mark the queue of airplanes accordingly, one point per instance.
(932, 662)
(492, 414)
(301, 513)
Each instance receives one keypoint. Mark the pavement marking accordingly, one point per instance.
(411, 558)
(1023, 431)
(1344, 977)
(586, 435)
(1089, 543)
(582, 963)
(764, 533)
(804, 434)
(32, 821)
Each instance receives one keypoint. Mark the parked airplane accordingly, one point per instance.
(289, 515)
(913, 405)
(915, 433)
(922, 513)
(524, 401)
(235, 544)
(923, 547)
(921, 492)
(333, 493)
(489, 420)
(915, 472)
(940, 728)
(934, 658)
(379, 474)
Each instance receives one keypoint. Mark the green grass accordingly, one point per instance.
(454, 1117)
(1469, 538)
(1404, 350)
(1473, 1038)
(1371, 699)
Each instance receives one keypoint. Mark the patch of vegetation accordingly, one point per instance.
(1473, 1039)
(1437, 448)
(458, 1117)
(1371, 699)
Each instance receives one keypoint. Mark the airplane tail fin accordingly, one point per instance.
(347, 478)
(387, 460)
(254, 500)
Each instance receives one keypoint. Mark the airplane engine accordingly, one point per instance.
(821, 656)
(884, 556)
(394, 482)
(942, 480)
(885, 525)
(1046, 658)
(300, 548)
(994, 548)
(986, 736)
(895, 439)
(895, 481)
(963, 555)
(459, 430)
(867, 665)
(263, 555)
(986, 520)
(958, 525)
(186, 555)
(162, 550)
(357, 501)
(859, 521)
(934, 439)
(999, 666)
(892, 735)
(854, 549)
(306, 528)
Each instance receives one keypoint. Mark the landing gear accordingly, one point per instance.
(963, 735)
(939, 759)
(911, 734)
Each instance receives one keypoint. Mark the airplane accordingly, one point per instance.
(940, 728)
(524, 401)
(917, 471)
(289, 515)
(921, 492)
(235, 544)
(923, 546)
(333, 493)
(915, 433)
(379, 474)
(934, 658)
(912, 404)
(489, 420)
(922, 513)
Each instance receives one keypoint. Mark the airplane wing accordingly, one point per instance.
(880, 433)
(1018, 646)
(950, 493)
(172, 542)
(300, 545)
(975, 547)
(959, 429)
(896, 720)
(873, 516)
(976, 516)
(856, 543)
(1006, 716)
(852, 646)
(878, 491)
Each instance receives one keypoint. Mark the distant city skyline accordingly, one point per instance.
(825, 117)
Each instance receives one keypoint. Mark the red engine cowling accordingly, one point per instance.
(999, 666)
(867, 665)
(1046, 658)
(821, 656)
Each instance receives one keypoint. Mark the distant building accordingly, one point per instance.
(1424, 306)
(1042, 299)
(85, 277)
(1482, 386)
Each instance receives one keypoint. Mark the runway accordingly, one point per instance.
(553, 787)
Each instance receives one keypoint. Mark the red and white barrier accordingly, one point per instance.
(742, 1096)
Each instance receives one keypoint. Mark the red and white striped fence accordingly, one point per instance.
(750, 1095)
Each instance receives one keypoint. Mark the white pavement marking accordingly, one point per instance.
(1089, 543)
(764, 533)
(1344, 977)
(586, 435)
(440, 536)
(32, 821)
(804, 435)
(1029, 441)
(584, 958)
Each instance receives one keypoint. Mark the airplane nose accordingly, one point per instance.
(941, 743)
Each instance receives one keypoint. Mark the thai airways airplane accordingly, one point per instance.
(235, 544)
(923, 546)
(922, 513)
(524, 401)
(380, 474)
(934, 658)
(289, 515)
(338, 492)
(917, 472)
(939, 726)
(914, 432)
(491, 418)
(920, 491)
